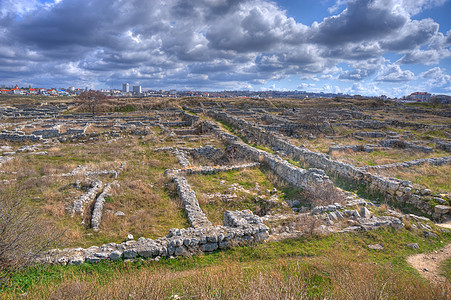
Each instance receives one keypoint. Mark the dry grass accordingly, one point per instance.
(435, 178)
(379, 157)
(335, 275)
(248, 187)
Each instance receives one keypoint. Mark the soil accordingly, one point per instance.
(428, 264)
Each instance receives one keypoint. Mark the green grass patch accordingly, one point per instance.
(445, 268)
(316, 255)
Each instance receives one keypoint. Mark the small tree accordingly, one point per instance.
(91, 99)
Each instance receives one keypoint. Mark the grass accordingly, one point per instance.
(435, 178)
(335, 266)
(150, 210)
(250, 186)
(382, 157)
(338, 266)
(445, 268)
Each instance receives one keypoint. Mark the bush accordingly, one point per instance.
(22, 234)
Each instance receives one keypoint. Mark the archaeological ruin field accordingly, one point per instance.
(199, 198)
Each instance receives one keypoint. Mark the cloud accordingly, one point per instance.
(211, 43)
(425, 57)
(448, 38)
(304, 86)
(436, 77)
(412, 35)
(416, 6)
(370, 89)
(338, 5)
(361, 21)
(394, 73)
(358, 74)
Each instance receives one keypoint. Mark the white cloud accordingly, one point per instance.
(436, 77)
(425, 57)
(304, 85)
(370, 89)
(394, 73)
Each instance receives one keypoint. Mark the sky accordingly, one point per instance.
(366, 47)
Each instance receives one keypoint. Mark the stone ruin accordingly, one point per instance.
(396, 190)
(239, 227)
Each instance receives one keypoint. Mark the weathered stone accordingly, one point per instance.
(365, 213)
(442, 209)
(76, 260)
(92, 259)
(376, 247)
(333, 216)
(180, 250)
(429, 234)
(224, 245)
(209, 247)
(130, 253)
(115, 255)
(413, 245)
(78, 205)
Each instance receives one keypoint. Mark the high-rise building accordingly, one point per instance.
(126, 87)
(137, 89)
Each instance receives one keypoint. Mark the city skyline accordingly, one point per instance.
(392, 47)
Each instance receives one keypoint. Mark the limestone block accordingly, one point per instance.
(115, 255)
(365, 213)
(130, 253)
(209, 247)
(442, 209)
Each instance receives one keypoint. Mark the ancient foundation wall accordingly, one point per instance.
(313, 180)
(393, 189)
(240, 227)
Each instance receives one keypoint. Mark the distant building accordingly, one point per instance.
(16, 91)
(137, 89)
(440, 99)
(419, 96)
(126, 87)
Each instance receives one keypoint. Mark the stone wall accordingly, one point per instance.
(354, 148)
(216, 169)
(47, 133)
(443, 145)
(181, 157)
(438, 161)
(97, 212)
(397, 143)
(393, 189)
(78, 206)
(206, 151)
(240, 227)
(314, 181)
(83, 170)
(195, 215)
(18, 136)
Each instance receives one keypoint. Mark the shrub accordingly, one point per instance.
(22, 234)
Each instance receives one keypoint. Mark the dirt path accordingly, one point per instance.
(428, 264)
(446, 225)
